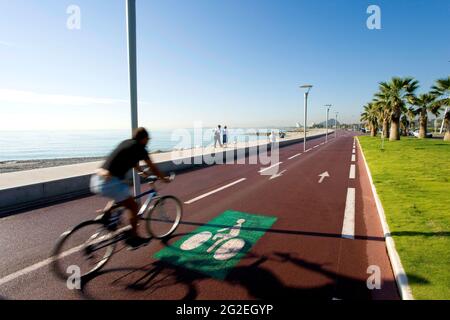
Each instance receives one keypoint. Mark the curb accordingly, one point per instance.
(399, 272)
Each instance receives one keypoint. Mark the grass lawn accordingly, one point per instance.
(412, 178)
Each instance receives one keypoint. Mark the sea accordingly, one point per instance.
(40, 145)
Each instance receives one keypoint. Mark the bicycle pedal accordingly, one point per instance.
(134, 248)
(112, 227)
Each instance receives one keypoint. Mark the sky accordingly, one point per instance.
(233, 62)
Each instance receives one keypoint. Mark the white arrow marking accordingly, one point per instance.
(277, 175)
(323, 176)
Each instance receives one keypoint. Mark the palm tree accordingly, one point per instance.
(370, 116)
(423, 104)
(411, 117)
(442, 90)
(395, 94)
(404, 125)
(384, 112)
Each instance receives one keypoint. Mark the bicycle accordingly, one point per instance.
(96, 239)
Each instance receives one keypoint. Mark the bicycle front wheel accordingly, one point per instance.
(164, 217)
(86, 248)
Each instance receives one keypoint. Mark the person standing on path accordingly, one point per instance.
(225, 136)
(272, 137)
(217, 134)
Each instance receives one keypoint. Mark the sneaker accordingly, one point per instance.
(135, 243)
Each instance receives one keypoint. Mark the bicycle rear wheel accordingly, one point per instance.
(87, 247)
(164, 217)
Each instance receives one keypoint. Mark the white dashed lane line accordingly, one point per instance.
(215, 191)
(348, 229)
(352, 174)
(295, 156)
(268, 168)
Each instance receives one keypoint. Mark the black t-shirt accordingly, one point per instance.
(125, 157)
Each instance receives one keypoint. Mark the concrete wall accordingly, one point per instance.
(17, 199)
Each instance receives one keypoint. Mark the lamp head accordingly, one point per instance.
(306, 86)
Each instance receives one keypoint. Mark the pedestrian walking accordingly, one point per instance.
(217, 135)
(225, 136)
(273, 137)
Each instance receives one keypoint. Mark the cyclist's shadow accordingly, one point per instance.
(258, 280)
(149, 279)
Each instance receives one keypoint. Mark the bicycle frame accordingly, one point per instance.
(153, 195)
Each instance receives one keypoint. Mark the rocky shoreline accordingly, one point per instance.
(23, 165)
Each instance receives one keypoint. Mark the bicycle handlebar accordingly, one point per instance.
(153, 179)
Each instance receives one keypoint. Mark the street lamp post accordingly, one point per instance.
(308, 89)
(336, 125)
(328, 114)
(132, 70)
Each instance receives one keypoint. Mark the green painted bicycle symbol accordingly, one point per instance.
(226, 240)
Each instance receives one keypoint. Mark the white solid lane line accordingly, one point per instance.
(25, 271)
(352, 174)
(215, 191)
(297, 155)
(46, 262)
(348, 229)
(353, 157)
(265, 169)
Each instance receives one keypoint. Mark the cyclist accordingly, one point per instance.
(109, 179)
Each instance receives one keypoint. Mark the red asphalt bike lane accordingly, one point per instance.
(39, 229)
(303, 255)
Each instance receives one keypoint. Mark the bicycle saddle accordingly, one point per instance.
(151, 179)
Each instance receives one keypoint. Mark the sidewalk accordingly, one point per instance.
(29, 177)
(21, 189)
